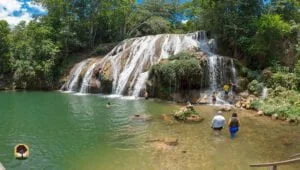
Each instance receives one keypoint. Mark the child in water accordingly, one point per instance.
(234, 124)
(214, 97)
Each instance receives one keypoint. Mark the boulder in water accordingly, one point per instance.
(188, 114)
(259, 113)
(244, 94)
(274, 116)
(203, 100)
(226, 108)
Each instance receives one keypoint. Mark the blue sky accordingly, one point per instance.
(14, 11)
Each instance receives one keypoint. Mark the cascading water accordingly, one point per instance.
(86, 79)
(131, 60)
(233, 71)
(264, 94)
(140, 83)
(127, 65)
(212, 64)
(221, 69)
(72, 83)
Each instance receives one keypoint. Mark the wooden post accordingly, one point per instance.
(274, 167)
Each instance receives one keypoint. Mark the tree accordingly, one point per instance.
(4, 47)
(270, 35)
(33, 55)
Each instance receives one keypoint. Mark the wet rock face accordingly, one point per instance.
(94, 86)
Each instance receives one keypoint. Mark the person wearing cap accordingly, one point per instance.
(218, 121)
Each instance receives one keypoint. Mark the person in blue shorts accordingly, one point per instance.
(234, 124)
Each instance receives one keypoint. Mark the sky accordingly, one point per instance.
(14, 11)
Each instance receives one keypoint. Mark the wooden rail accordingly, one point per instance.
(296, 155)
(274, 165)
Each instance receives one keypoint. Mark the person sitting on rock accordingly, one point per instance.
(218, 121)
(234, 124)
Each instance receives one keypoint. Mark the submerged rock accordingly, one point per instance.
(168, 118)
(194, 118)
(164, 144)
(140, 117)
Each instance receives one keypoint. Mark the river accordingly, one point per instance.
(67, 131)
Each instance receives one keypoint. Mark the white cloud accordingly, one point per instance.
(36, 6)
(13, 20)
(8, 7)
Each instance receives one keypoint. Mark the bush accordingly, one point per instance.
(184, 113)
(178, 72)
(255, 87)
(284, 102)
(287, 80)
(182, 56)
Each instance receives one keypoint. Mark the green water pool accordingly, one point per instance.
(67, 131)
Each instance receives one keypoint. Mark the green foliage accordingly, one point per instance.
(297, 69)
(178, 71)
(4, 47)
(255, 87)
(271, 31)
(184, 113)
(33, 55)
(286, 80)
(284, 102)
(182, 56)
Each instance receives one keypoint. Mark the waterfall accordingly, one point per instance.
(218, 66)
(212, 64)
(132, 58)
(233, 70)
(264, 94)
(73, 80)
(140, 84)
(127, 65)
(86, 79)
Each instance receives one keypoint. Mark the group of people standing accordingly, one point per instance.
(219, 122)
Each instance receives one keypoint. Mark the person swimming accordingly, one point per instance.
(108, 105)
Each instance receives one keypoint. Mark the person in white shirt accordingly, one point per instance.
(218, 122)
